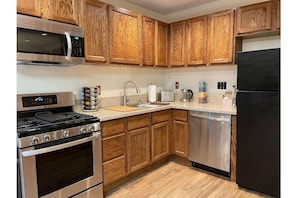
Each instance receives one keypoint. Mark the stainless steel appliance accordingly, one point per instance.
(210, 140)
(258, 121)
(59, 151)
(167, 96)
(45, 42)
(187, 95)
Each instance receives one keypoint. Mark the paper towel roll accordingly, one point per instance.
(152, 93)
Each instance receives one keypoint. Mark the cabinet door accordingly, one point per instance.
(125, 36)
(30, 7)
(161, 44)
(254, 18)
(62, 10)
(180, 138)
(138, 148)
(160, 140)
(196, 32)
(177, 43)
(220, 46)
(94, 21)
(114, 170)
(278, 14)
(148, 39)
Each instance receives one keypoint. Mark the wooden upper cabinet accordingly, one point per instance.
(124, 36)
(252, 18)
(278, 23)
(161, 44)
(177, 43)
(61, 10)
(94, 22)
(30, 7)
(58, 10)
(221, 37)
(196, 38)
(148, 39)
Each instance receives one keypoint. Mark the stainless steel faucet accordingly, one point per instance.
(125, 85)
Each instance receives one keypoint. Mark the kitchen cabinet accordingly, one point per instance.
(177, 43)
(277, 14)
(59, 10)
(233, 148)
(62, 10)
(138, 142)
(180, 136)
(161, 44)
(124, 36)
(114, 150)
(29, 7)
(196, 41)
(252, 18)
(221, 37)
(160, 134)
(94, 22)
(148, 41)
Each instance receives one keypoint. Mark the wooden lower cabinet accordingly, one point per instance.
(160, 135)
(138, 142)
(180, 136)
(114, 169)
(114, 150)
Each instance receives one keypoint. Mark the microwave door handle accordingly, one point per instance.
(69, 44)
(60, 146)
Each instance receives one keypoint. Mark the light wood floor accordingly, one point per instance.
(178, 181)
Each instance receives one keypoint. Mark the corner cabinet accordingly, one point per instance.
(148, 39)
(161, 43)
(94, 22)
(180, 133)
(138, 142)
(160, 134)
(177, 43)
(124, 36)
(221, 37)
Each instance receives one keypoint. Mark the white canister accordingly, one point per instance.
(152, 93)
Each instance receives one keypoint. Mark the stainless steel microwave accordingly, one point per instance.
(45, 42)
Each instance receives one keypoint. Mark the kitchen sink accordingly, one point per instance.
(147, 105)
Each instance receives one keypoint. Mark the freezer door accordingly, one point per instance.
(258, 70)
(258, 141)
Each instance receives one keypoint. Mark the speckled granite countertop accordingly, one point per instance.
(105, 114)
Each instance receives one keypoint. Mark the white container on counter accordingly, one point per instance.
(152, 93)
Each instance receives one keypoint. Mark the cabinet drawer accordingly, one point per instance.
(181, 115)
(160, 116)
(114, 169)
(114, 147)
(113, 127)
(138, 121)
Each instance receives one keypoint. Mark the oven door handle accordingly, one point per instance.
(60, 146)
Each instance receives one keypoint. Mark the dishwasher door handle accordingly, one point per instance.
(211, 118)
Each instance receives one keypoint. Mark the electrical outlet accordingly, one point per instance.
(222, 85)
(176, 85)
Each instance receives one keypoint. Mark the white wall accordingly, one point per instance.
(37, 79)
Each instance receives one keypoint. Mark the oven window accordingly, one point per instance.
(59, 169)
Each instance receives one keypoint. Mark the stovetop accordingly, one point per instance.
(46, 121)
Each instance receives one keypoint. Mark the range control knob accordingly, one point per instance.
(91, 128)
(35, 140)
(46, 138)
(83, 130)
(65, 133)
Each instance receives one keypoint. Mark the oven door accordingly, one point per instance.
(62, 170)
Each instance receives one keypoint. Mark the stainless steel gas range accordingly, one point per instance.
(59, 152)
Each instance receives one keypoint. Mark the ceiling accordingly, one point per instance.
(169, 6)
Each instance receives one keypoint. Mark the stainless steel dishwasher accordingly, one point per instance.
(210, 140)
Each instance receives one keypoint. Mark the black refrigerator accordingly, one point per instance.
(258, 121)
